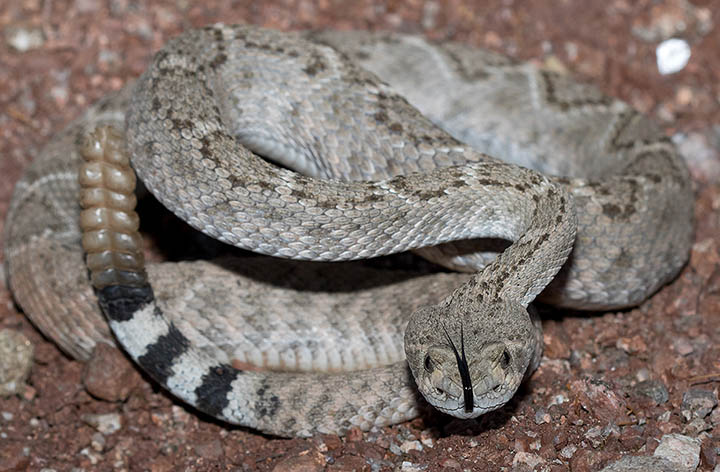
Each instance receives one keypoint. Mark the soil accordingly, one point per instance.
(611, 384)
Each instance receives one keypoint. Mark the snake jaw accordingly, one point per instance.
(495, 373)
(487, 348)
(501, 369)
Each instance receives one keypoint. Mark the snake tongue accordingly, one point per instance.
(463, 369)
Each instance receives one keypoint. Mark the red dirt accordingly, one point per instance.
(601, 390)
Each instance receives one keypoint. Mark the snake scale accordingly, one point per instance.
(361, 173)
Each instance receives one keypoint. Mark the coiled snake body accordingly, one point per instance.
(379, 178)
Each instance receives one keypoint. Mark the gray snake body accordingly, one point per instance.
(382, 178)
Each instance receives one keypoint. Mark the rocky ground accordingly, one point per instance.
(642, 382)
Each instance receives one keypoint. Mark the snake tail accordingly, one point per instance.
(278, 403)
(115, 260)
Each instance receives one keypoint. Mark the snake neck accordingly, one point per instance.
(470, 352)
(537, 254)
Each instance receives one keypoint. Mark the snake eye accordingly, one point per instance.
(505, 359)
(428, 363)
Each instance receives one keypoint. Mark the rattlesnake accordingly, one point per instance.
(383, 178)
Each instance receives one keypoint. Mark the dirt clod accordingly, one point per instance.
(109, 375)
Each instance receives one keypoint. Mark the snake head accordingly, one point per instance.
(470, 358)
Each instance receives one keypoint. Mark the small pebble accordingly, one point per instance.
(395, 449)
(558, 399)
(211, 450)
(305, 461)
(23, 39)
(180, 416)
(631, 345)
(350, 462)
(109, 375)
(451, 464)
(97, 442)
(107, 423)
(408, 446)
(29, 393)
(683, 451)
(698, 403)
(683, 346)
(524, 460)
(672, 55)
(641, 464)
(568, 451)
(642, 374)
(600, 399)
(354, 434)
(410, 467)
(654, 389)
(542, 416)
(16, 357)
(696, 426)
(91, 455)
(595, 436)
(426, 439)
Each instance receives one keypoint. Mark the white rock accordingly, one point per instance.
(407, 466)
(683, 451)
(23, 39)
(528, 459)
(107, 423)
(408, 446)
(16, 358)
(672, 55)
(568, 451)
